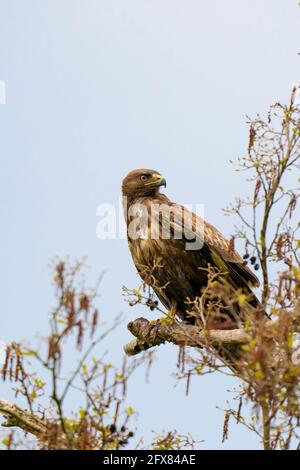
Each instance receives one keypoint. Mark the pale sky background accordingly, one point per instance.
(96, 88)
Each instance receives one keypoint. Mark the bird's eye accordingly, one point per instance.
(144, 178)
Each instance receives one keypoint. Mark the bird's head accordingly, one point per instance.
(142, 183)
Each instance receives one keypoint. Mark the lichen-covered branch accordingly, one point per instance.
(25, 420)
(149, 334)
(153, 333)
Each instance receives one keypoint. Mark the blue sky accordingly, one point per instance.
(95, 89)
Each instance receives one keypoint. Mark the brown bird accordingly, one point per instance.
(175, 257)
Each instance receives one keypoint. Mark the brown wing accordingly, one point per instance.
(221, 250)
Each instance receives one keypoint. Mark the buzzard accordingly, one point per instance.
(176, 257)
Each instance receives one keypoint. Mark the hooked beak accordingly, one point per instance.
(157, 180)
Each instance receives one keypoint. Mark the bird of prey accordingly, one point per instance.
(177, 270)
